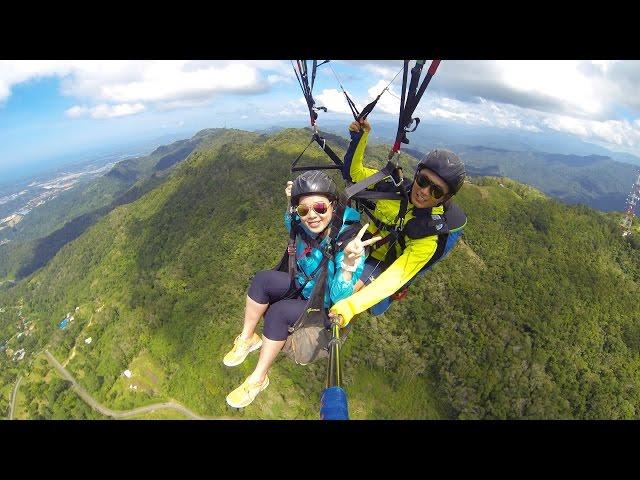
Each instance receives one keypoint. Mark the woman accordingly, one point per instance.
(314, 202)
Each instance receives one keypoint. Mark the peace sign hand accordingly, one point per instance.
(355, 248)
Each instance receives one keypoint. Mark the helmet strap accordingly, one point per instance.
(445, 199)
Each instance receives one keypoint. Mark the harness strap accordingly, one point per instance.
(339, 165)
(413, 97)
(367, 182)
(400, 132)
(352, 105)
(402, 211)
(300, 156)
(390, 170)
(302, 76)
(375, 195)
(315, 304)
(327, 149)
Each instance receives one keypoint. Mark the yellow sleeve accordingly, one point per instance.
(406, 266)
(357, 170)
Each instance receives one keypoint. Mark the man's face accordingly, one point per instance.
(422, 197)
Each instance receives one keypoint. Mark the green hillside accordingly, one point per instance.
(46, 229)
(533, 315)
(593, 180)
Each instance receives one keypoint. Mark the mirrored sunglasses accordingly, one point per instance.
(319, 207)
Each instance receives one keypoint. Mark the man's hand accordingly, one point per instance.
(357, 126)
(287, 190)
(338, 319)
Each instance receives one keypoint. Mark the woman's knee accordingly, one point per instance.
(280, 316)
(258, 288)
(276, 327)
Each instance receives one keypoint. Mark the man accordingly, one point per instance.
(411, 244)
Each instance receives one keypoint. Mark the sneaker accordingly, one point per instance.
(246, 393)
(241, 348)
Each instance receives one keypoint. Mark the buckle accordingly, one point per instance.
(397, 170)
(394, 180)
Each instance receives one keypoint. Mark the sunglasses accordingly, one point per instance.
(435, 190)
(319, 207)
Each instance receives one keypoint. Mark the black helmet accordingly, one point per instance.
(447, 165)
(313, 182)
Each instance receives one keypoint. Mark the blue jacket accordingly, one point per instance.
(337, 287)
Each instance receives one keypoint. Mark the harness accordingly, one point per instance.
(448, 227)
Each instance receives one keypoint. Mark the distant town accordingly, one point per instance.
(19, 204)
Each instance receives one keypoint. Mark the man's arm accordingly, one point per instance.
(406, 266)
(354, 157)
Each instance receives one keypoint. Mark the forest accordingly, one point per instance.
(532, 316)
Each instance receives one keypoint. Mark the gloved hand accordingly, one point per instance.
(363, 124)
(334, 317)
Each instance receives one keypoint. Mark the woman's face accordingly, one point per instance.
(316, 222)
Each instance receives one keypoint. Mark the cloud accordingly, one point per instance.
(125, 85)
(333, 99)
(386, 69)
(596, 100)
(585, 89)
(105, 111)
(548, 86)
(563, 123)
(389, 102)
(168, 82)
(617, 132)
(622, 133)
(291, 108)
(76, 111)
(274, 78)
(582, 98)
(15, 72)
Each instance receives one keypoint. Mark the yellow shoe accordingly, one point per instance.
(246, 393)
(241, 348)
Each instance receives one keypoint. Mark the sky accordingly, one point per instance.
(51, 109)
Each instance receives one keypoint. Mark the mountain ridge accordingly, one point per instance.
(532, 318)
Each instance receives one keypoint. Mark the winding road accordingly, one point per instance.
(14, 394)
(120, 413)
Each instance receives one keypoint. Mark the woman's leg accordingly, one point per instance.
(280, 316)
(253, 312)
(268, 353)
(277, 319)
(267, 287)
